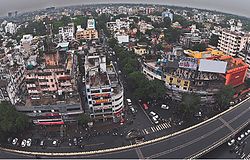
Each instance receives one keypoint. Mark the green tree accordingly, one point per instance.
(172, 35)
(214, 40)
(112, 42)
(248, 82)
(167, 22)
(225, 95)
(11, 121)
(83, 119)
(190, 103)
(199, 47)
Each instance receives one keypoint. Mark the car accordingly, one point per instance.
(156, 116)
(155, 120)
(119, 72)
(14, 141)
(199, 114)
(231, 142)
(54, 142)
(152, 114)
(163, 106)
(42, 143)
(145, 106)
(29, 142)
(24, 142)
(132, 110)
(129, 102)
(180, 123)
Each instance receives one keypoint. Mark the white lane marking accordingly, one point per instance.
(153, 129)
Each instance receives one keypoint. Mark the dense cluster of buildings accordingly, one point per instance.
(197, 72)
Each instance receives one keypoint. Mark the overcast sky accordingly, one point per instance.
(240, 7)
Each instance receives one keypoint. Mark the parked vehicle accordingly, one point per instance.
(145, 106)
(132, 109)
(29, 142)
(163, 106)
(129, 102)
(14, 141)
(152, 114)
(155, 120)
(24, 142)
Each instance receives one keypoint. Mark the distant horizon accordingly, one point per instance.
(239, 8)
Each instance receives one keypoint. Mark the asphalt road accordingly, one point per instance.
(183, 145)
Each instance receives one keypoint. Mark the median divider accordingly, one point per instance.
(128, 147)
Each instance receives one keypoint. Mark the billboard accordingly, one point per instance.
(212, 66)
(188, 63)
(123, 39)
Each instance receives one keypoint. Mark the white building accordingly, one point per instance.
(10, 28)
(232, 42)
(104, 91)
(118, 25)
(26, 43)
(67, 33)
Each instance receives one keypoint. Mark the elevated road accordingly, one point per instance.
(188, 143)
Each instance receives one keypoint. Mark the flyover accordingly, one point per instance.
(191, 142)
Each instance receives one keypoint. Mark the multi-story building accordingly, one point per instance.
(204, 74)
(12, 76)
(51, 84)
(67, 33)
(118, 25)
(26, 45)
(10, 28)
(231, 41)
(90, 33)
(104, 91)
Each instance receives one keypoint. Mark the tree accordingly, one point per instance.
(190, 103)
(199, 47)
(83, 119)
(214, 40)
(167, 22)
(9, 44)
(172, 35)
(112, 42)
(248, 82)
(225, 95)
(11, 121)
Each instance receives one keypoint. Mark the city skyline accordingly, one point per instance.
(229, 6)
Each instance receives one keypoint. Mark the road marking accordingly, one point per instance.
(153, 129)
(166, 125)
(226, 124)
(146, 131)
(158, 128)
(139, 153)
(143, 131)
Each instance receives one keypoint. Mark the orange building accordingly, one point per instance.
(236, 70)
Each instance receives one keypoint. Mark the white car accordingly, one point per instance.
(156, 116)
(54, 142)
(155, 120)
(23, 144)
(152, 114)
(14, 141)
(164, 106)
(230, 143)
(29, 142)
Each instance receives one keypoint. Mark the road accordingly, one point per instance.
(183, 145)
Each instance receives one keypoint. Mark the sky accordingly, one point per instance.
(239, 7)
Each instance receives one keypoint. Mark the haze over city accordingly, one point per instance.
(239, 7)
